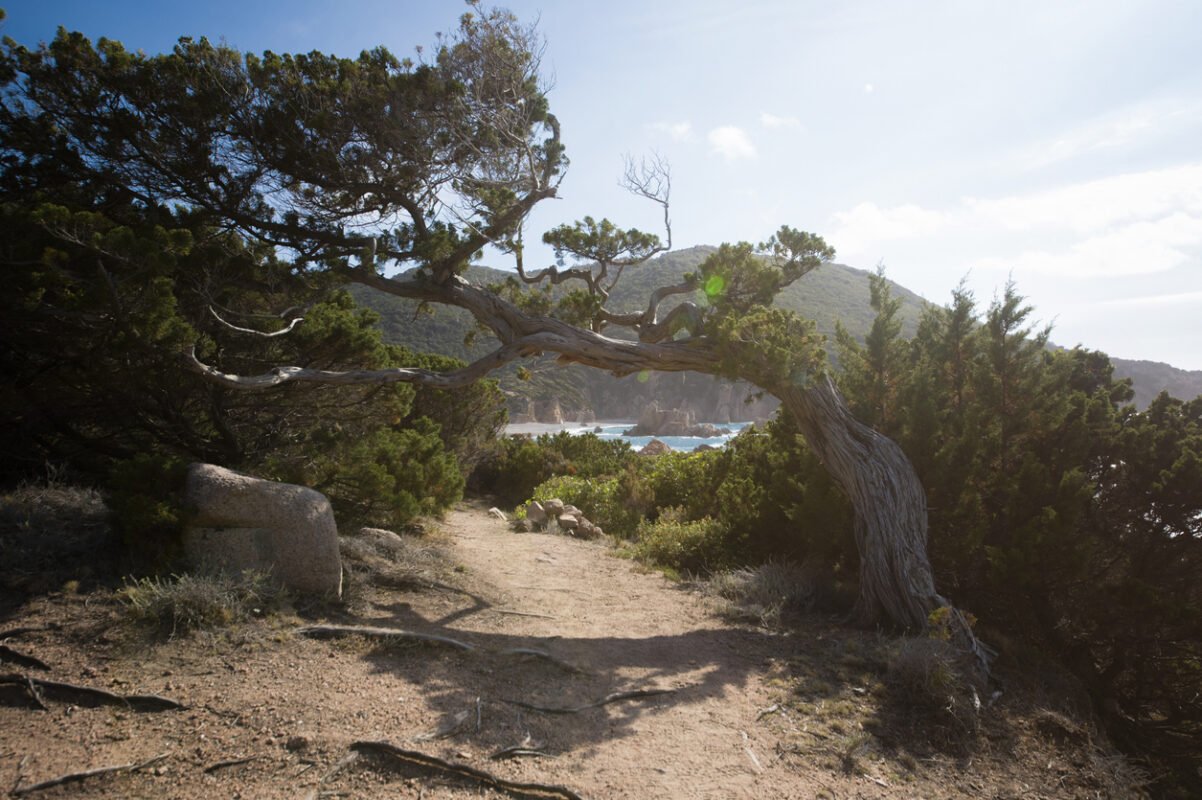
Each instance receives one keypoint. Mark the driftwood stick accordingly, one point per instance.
(91, 773)
(14, 657)
(464, 770)
(609, 698)
(131, 700)
(513, 751)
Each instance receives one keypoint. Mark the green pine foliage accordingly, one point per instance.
(1059, 514)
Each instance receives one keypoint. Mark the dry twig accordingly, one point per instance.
(464, 770)
(520, 613)
(343, 763)
(9, 634)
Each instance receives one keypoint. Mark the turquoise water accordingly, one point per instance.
(613, 430)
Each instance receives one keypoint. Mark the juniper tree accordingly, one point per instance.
(396, 173)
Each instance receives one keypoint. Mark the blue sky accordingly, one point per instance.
(1055, 143)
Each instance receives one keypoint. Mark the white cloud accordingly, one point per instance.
(731, 143)
(680, 131)
(1158, 300)
(1135, 125)
(1097, 205)
(868, 224)
(773, 121)
(1135, 224)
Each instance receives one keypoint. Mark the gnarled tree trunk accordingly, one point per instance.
(896, 581)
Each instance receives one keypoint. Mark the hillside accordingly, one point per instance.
(834, 292)
(1150, 378)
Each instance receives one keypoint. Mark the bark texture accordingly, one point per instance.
(896, 581)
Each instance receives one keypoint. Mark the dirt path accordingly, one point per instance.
(271, 713)
(631, 630)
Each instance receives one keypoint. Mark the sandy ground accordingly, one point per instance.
(272, 713)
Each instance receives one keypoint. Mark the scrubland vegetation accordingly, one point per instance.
(138, 237)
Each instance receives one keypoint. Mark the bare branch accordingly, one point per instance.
(251, 331)
(651, 178)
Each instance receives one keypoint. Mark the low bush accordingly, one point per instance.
(519, 463)
(932, 680)
(146, 496)
(184, 603)
(694, 547)
(600, 499)
(763, 594)
(53, 533)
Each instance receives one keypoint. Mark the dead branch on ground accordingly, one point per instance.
(343, 763)
(9, 634)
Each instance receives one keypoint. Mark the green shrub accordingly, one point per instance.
(385, 479)
(146, 497)
(519, 464)
(600, 499)
(694, 547)
(687, 481)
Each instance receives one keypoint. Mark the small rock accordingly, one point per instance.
(296, 743)
(498, 513)
(535, 512)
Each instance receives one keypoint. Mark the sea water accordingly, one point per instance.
(611, 429)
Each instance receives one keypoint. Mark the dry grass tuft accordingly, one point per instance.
(763, 594)
(374, 558)
(184, 603)
(937, 685)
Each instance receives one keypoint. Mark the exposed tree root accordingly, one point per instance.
(609, 698)
(145, 701)
(91, 773)
(394, 633)
(465, 770)
(233, 762)
(20, 659)
(9, 634)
